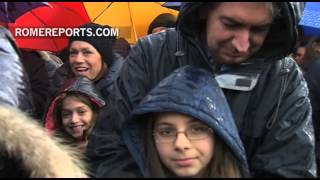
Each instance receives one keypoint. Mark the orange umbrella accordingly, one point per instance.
(132, 18)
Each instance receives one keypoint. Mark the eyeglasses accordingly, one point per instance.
(193, 133)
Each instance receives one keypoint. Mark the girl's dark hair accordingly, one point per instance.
(223, 165)
(58, 110)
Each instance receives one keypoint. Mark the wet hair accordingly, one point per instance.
(58, 114)
(223, 164)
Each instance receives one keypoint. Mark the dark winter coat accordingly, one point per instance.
(38, 75)
(312, 76)
(267, 94)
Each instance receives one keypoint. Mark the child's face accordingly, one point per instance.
(76, 117)
(182, 156)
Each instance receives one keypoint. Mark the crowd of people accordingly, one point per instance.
(225, 89)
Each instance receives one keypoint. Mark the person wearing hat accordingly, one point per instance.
(92, 57)
(162, 22)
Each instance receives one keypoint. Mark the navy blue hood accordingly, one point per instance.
(191, 91)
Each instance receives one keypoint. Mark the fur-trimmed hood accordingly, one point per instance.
(28, 151)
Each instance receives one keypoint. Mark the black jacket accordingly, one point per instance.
(267, 95)
(193, 92)
(38, 74)
(312, 76)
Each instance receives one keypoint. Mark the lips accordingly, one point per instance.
(81, 69)
(235, 55)
(184, 162)
(77, 128)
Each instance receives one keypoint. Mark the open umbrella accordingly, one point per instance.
(310, 21)
(58, 15)
(10, 11)
(131, 18)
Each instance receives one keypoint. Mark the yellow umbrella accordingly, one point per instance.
(132, 18)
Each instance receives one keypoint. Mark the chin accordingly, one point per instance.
(187, 173)
(232, 60)
(77, 136)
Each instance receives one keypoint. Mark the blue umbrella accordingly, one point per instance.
(310, 21)
(172, 5)
(10, 11)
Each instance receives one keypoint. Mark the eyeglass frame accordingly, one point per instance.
(174, 137)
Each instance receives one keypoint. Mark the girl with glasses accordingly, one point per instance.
(184, 128)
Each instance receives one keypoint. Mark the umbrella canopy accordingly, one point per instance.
(131, 18)
(10, 11)
(310, 21)
(58, 15)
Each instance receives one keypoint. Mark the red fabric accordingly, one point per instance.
(60, 14)
(49, 121)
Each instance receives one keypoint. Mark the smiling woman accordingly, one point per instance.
(90, 56)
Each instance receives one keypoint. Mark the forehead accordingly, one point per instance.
(256, 13)
(81, 45)
(72, 101)
(175, 119)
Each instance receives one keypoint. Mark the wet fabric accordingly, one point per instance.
(189, 91)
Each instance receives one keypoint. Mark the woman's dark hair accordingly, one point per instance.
(58, 111)
(223, 165)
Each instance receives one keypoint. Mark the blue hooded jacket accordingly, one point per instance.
(191, 91)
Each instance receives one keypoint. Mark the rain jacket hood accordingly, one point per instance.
(279, 42)
(189, 91)
(82, 85)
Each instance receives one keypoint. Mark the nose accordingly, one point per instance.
(182, 142)
(241, 41)
(74, 118)
(77, 58)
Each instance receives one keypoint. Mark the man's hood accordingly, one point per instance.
(279, 42)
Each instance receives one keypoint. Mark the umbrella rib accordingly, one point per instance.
(133, 26)
(102, 12)
(45, 26)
